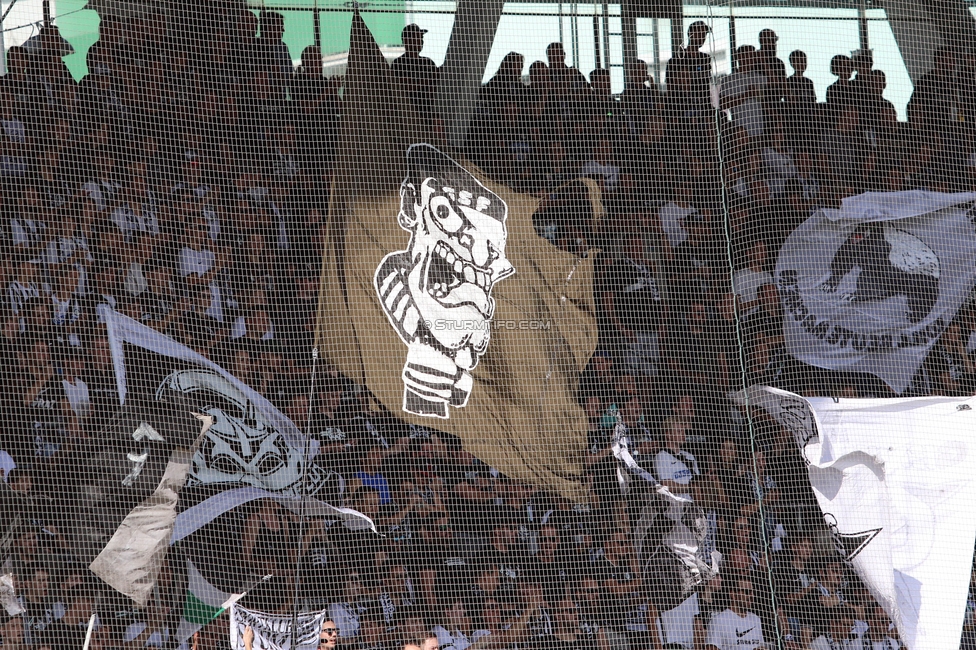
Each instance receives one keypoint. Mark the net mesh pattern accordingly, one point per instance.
(595, 330)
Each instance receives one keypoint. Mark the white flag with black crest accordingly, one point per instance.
(870, 287)
(896, 480)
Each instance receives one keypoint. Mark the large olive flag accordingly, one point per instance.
(439, 296)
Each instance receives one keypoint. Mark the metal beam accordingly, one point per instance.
(606, 35)
(475, 24)
(3, 47)
(628, 28)
(915, 33)
(921, 28)
(677, 27)
(596, 41)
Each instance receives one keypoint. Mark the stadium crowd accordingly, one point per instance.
(184, 181)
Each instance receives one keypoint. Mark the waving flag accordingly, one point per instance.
(896, 480)
(870, 287)
(439, 296)
(132, 507)
(204, 603)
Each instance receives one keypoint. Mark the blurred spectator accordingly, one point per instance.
(273, 49)
(738, 626)
(799, 89)
(742, 91)
(695, 64)
(771, 67)
(841, 92)
(562, 75)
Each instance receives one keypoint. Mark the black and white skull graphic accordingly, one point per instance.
(241, 446)
(437, 292)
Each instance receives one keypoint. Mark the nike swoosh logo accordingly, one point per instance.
(742, 634)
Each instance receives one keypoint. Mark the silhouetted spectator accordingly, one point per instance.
(418, 74)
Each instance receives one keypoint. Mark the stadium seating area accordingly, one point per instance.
(185, 181)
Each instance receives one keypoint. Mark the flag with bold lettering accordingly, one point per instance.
(871, 286)
(896, 480)
(275, 631)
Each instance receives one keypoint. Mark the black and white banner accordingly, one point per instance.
(252, 451)
(895, 480)
(437, 292)
(870, 287)
(273, 631)
(250, 443)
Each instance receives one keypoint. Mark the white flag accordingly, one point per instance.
(870, 287)
(274, 631)
(896, 481)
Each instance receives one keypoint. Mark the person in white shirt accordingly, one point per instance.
(674, 502)
(134, 213)
(840, 633)
(747, 281)
(457, 633)
(104, 186)
(736, 628)
(675, 468)
(881, 633)
(741, 93)
(75, 388)
(681, 627)
(7, 464)
(674, 214)
(346, 614)
(199, 264)
(778, 161)
(602, 167)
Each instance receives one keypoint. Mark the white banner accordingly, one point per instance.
(273, 631)
(196, 517)
(870, 287)
(896, 481)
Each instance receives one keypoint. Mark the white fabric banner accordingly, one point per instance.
(132, 559)
(273, 631)
(196, 517)
(871, 286)
(896, 481)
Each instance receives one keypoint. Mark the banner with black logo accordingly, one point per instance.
(894, 479)
(420, 301)
(870, 287)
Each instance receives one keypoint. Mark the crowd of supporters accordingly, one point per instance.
(184, 182)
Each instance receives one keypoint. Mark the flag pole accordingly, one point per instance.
(236, 597)
(88, 634)
(302, 523)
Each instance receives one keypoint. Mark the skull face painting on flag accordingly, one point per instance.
(237, 449)
(437, 293)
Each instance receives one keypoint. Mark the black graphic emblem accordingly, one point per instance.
(892, 262)
(849, 545)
